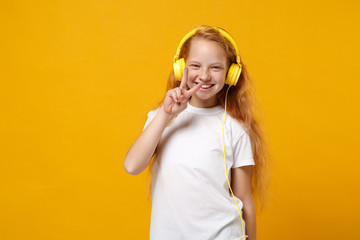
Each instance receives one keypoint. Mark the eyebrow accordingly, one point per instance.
(194, 61)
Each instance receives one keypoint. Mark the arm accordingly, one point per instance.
(241, 186)
(140, 153)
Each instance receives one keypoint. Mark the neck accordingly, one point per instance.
(204, 103)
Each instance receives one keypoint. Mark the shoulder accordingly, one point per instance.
(236, 127)
(152, 113)
(150, 116)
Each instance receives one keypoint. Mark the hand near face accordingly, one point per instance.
(176, 99)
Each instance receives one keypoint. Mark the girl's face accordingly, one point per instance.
(206, 63)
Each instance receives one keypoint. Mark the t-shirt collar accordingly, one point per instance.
(204, 111)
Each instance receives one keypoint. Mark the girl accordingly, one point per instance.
(195, 150)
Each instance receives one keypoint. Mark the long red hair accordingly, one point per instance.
(242, 106)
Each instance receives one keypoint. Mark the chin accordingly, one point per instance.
(205, 98)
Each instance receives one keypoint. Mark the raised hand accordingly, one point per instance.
(176, 99)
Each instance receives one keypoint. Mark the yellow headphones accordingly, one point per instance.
(234, 71)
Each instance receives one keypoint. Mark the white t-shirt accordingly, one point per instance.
(191, 199)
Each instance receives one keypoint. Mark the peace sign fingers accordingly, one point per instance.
(191, 91)
(188, 93)
(176, 99)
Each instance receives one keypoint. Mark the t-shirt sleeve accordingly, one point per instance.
(150, 116)
(242, 153)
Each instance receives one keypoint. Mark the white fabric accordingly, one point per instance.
(191, 197)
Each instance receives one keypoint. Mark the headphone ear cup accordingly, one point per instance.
(233, 74)
(179, 66)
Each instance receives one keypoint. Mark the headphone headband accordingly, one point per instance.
(234, 70)
(221, 31)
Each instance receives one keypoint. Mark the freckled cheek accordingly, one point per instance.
(221, 76)
(191, 78)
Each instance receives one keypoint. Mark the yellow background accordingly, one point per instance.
(78, 78)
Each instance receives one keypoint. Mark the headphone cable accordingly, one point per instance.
(242, 223)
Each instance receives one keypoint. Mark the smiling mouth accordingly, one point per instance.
(205, 86)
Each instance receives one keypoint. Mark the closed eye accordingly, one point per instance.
(194, 65)
(216, 67)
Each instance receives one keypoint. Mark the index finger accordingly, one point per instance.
(184, 79)
(191, 91)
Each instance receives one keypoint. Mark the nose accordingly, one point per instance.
(204, 75)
